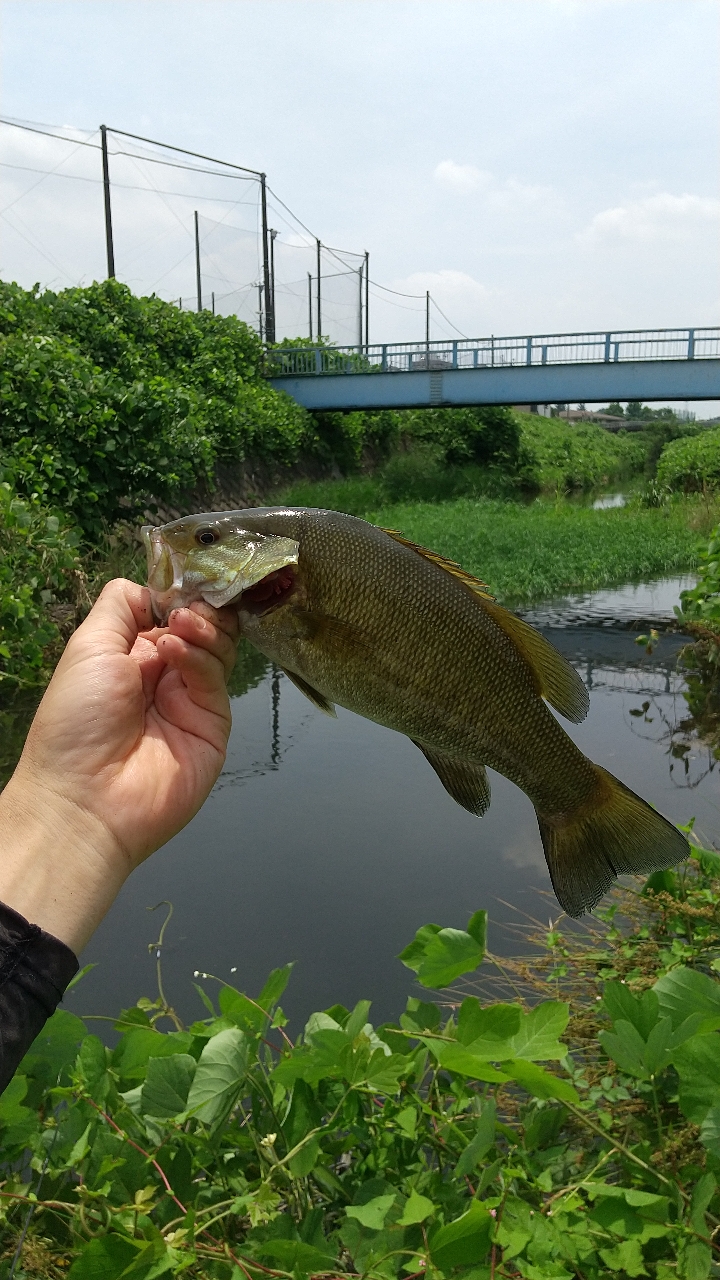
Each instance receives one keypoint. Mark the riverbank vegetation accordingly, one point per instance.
(114, 407)
(550, 1118)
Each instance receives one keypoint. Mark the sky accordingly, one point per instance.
(539, 166)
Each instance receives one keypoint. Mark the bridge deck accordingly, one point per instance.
(676, 364)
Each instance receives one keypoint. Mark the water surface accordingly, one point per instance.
(329, 842)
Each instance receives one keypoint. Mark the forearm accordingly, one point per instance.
(35, 969)
(59, 866)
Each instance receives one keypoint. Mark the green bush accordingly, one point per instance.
(38, 553)
(110, 401)
(473, 1138)
(692, 464)
(580, 455)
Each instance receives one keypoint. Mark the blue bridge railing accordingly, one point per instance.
(487, 353)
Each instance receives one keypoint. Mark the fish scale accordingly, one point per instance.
(373, 623)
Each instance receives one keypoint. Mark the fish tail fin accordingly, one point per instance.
(614, 833)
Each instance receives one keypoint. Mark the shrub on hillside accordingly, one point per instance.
(109, 400)
(692, 464)
(578, 455)
(38, 553)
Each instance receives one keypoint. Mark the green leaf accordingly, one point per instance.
(695, 1261)
(56, 1047)
(137, 1046)
(465, 1241)
(702, 1195)
(456, 1057)
(537, 1037)
(219, 1074)
(627, 1048)
(626, 1256)
(11, 1111)
(495, 1022)
(641, 1011)
(540, 1083)
(373, 1213)
(697, 1063)
(481, 1142)
(439, 956)
(684, 991)
(296, 1257)
(167, 1084)
(417, 1209)
(306, 1159)
(477, 928)
(105, 1259)
(274, 987)
(710, 1130)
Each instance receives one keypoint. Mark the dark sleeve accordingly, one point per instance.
(35, 969)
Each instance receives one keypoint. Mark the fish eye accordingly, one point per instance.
(206, 537)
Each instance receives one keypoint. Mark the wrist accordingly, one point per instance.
(60, 865)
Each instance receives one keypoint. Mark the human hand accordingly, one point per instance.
(126, 744)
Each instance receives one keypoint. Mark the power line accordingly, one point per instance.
(442, 313)
(127, 186)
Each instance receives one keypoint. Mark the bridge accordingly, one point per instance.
(630, 364)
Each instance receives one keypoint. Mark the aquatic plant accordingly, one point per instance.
(570, 1130)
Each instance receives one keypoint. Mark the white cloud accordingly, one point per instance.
(450, 286)
(462, 177)
(661, 217)
(504, 194)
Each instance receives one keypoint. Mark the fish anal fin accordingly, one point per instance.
(613, 833)
(556, 680)
(464, 780)
(450, 566)
(318, 699)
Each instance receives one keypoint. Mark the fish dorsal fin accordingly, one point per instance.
(465, 781)
(450, 566)
(555, 679)
(318, 699)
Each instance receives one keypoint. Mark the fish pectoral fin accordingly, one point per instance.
(555, 679)
(466, 781)
(318, 699)
(450, 566)
(325, 629)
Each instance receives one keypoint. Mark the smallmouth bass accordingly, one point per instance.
(360, 617)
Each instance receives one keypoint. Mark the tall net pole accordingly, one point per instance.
(198, 277)
(269, 316)
(319, 299)
(108, 212)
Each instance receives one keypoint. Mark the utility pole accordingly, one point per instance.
(310, 323)
(108, 212)
(319, 302)
(360, 309)
(367, 300)
(273, 234)
(198, 278)
(269, 313)
(427, 329)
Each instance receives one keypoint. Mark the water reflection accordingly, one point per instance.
(329, 841)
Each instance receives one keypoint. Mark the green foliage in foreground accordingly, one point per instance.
(471, 1139)
(38, 554)
(702, 602)
(691, 465)
(535, 551)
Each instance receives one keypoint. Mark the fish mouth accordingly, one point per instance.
(269, 593)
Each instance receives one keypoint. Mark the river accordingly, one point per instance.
(329, 842)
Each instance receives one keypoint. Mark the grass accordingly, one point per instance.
(529, 552)
(534, 552)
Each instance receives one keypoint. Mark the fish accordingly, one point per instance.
(361, 617)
